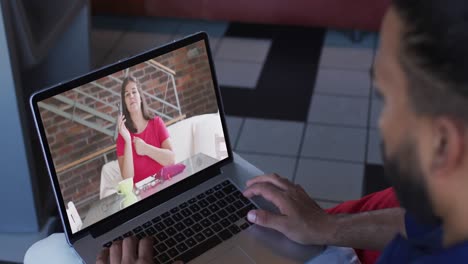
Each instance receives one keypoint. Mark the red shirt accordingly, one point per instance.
(154, 134)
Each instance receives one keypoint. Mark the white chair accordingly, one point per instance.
(220, 147)
(75, 220)
(110, 178)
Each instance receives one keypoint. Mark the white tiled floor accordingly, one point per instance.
(326, 154)
(326, 205)
(342, 82)
(347, 58)
(215, 31)
(340, 39)
(248, 50)
(374, 155)
(228, 73)
(271, 137)
(376, 108)
(334, 181)
(234, 126)
(239, 62)
(334, 143)
(339, 110)
(283, 166)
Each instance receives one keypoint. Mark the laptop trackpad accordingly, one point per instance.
(234, 255)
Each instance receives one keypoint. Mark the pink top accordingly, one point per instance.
(154, 134)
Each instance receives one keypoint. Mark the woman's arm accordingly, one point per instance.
(126, 162)
(164, 155)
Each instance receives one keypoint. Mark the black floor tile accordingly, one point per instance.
(374, 179)
(285, 86)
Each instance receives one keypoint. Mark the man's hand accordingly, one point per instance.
(140, 146)
(129, 251)
(301, 219)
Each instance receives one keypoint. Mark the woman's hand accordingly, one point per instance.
(140, 146)
(301, 219)
(123, 131)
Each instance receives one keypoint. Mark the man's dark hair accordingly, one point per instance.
(434, 55)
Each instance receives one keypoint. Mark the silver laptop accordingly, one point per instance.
(192, 204)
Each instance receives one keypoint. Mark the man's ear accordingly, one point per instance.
(448, 145)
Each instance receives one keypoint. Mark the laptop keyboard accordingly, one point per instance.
(197, 225)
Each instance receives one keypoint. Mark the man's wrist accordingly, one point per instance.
(327, 232)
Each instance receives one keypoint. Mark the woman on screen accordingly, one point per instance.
(143, 144)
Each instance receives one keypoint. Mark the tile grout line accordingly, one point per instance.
(369, 120)
(338, 68)
(241, 128)
(333, 160)
(349, 69)
(216, 50)
(339, 95)
(337, 125)
(298, 156)
(256, 62)
(304, 130)
(326, 200)
(267, 154)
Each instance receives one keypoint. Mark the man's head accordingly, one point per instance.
(421, 71)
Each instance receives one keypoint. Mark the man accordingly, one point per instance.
(421, 72)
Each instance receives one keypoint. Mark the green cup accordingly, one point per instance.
(125, 189)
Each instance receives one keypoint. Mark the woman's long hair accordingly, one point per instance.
(147, 115)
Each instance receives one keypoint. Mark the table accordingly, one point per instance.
(56, 245)
(112, 203)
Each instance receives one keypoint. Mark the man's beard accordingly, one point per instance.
(404, 173)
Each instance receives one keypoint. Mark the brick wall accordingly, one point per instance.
(70, 141)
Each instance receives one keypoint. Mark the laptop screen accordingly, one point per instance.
(120, 139)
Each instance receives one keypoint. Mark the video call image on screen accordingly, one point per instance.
(124, 137)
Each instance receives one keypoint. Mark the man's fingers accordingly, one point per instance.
(103, 256)
(115, 252)
(270, 192)
(274, 179)
(145, 249)
(129, 249)
(267, 219)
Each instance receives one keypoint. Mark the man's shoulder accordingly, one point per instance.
(423, 245)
